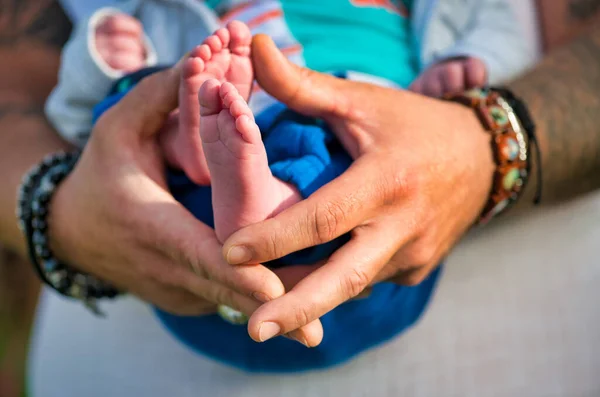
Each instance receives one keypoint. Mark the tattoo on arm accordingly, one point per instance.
(562, 94)
(33, 21)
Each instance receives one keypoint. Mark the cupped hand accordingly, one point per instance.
(422, 172)
(114, 217)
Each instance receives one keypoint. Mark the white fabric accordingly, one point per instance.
(516, 314)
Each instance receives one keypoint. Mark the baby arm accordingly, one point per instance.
(491, 50)
(120, 42)
(91, 62)
(451, 76)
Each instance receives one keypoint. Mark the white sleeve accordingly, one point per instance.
(497, 38)
(84, 80)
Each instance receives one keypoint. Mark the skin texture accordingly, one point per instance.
(416, 220)
(114, 234)
(451, 76)
(224, 56)
(25, 137)
(562, 95)
(120, 42)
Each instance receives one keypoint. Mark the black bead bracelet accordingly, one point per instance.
(35, 193)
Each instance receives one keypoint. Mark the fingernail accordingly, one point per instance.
(261, 297)
(268, 330)
(297, 338)
(238, 255)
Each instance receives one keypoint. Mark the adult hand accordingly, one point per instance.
(114, 217)
(422, 172)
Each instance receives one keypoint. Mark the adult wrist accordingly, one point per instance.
(36, 193)
(513, 144)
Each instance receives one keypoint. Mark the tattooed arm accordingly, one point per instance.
(562, 95)
(32, 33)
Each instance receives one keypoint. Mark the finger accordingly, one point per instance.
(417, 85)
(308, 92)
(332, 211)
(292, 275)
(453, 78)
(348, 272)
(413, 277)
(189, 243)
(310, 335)
(124, 61)
(125, 44)
(432, 85)
(120, 24)
(193, 245)
(153, 99)
(475, 72)
(413, 262)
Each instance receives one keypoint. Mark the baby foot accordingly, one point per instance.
(243, 189)
(120, 42)
(224, 56)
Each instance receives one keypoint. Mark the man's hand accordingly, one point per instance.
(422, 172)
(114, 217)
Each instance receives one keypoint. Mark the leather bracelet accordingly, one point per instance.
(507, 120)
(35, 194)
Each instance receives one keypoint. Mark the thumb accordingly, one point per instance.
(305, 91)
(144, 110)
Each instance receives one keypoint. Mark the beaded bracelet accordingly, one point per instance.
(34, 196)
(506, 119)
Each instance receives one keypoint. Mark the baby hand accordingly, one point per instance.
(451, 76)
(120, 42)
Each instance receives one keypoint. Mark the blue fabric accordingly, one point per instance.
(302, 151)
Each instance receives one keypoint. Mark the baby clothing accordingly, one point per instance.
(357, 39)
(437, 30)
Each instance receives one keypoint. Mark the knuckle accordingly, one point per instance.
(421, 255)
(272, 247)
(327, 218)
(354, 283)
(412, 279)
(224, 296)
(402, 184)
(302, 317)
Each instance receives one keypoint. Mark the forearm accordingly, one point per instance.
(32, 33)
(562, 94)
(25, 137)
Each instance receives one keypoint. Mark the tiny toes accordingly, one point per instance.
(204, 52)
(239, 108)
(192, 67)
(210, 101)
(223, 35)
(248, 129)
(241, 38)
(214, 43)
(229, 94)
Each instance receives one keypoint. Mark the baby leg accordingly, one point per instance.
(243, 189)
